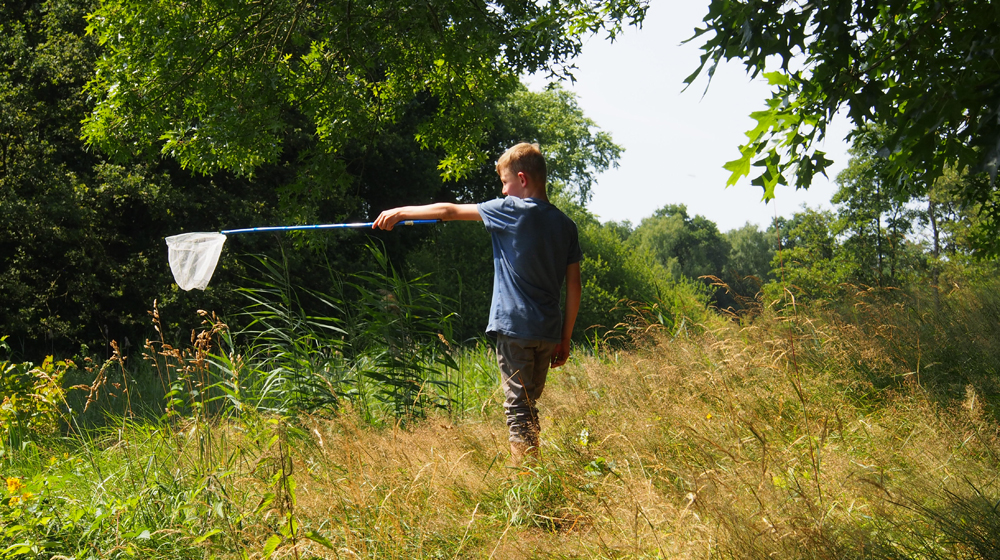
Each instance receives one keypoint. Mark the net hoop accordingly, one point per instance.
(193, 258)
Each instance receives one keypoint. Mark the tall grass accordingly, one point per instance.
(801, 432)
(949, 345)
(375, 339)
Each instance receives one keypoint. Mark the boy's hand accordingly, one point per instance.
(387, 219)
(560, 354)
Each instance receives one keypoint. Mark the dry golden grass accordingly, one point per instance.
(755, 441)
(866, 432)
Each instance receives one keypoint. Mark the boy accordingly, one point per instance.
(535, 249)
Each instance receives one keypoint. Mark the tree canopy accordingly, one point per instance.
(683, 245)
(226, 85)
(82, 256)
(925, 70)
(81, 239)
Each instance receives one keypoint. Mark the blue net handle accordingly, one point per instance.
(356, 225)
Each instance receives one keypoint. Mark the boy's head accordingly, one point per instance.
(527, 159)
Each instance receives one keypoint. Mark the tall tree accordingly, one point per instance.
(683, 245)
(224, 85)
(751, 251)
(809, 260)
(576, 150)
(951, 224)
(872, 217)
(749, 264)
(82, 256)
(926, 70)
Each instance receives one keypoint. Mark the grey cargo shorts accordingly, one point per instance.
(524, 364)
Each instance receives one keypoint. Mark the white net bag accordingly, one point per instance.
(193, 257)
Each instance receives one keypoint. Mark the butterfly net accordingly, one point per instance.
(193, 257)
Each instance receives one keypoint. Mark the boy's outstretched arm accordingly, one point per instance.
(573, 291)
(441, 211)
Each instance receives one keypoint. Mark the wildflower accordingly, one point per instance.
(708, 416)
(13, 485)
(14, 501)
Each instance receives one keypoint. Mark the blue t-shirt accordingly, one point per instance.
(533, 243)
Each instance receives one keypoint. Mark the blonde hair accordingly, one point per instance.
(524, 158)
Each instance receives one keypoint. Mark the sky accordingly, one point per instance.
(676, 143)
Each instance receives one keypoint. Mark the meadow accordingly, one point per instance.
(349, 415)
(861, 429)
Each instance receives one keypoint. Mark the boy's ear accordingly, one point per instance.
(523, 178)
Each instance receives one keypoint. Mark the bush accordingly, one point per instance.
(32, 399)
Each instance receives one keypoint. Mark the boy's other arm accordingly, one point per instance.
(573, 291)
(444, 211)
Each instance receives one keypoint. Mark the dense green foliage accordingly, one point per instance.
(31, 400)
(750, 252)
(82, 248)
(877, 237)
(618, 275)
(809, 259)
(924, 71)
(683, 245)
(81, 239)
(229, 85)
(874, 221)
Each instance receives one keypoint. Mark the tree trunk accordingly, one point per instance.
(878, 231)
(936, 251)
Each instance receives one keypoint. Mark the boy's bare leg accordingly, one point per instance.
(518, 452)
(527, 451)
